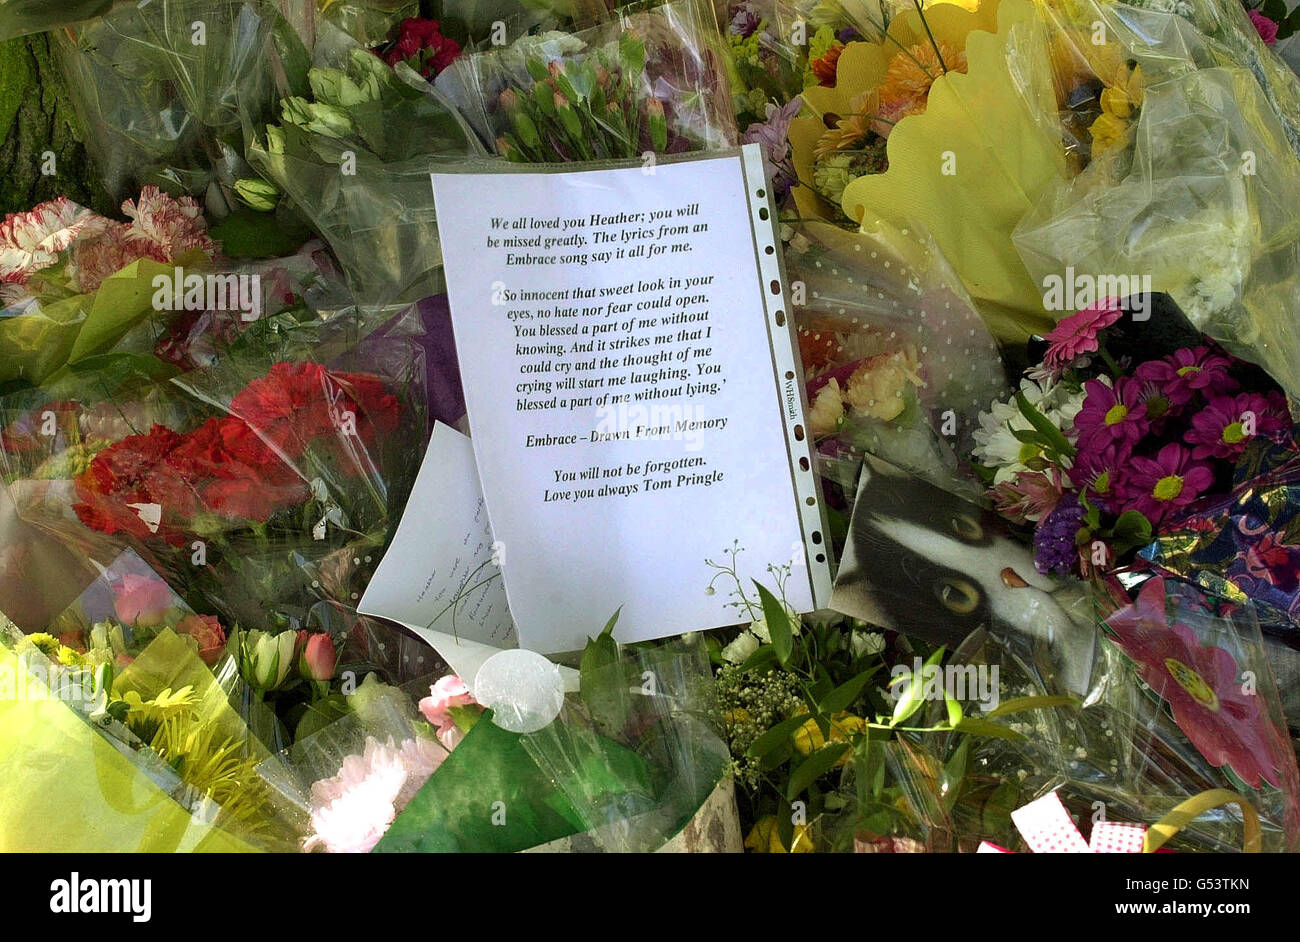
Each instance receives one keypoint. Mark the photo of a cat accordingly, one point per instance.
(926, 563)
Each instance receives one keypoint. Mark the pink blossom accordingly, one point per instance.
(1077, 334)
(351, 811)
(142, 600)
(1266, 28)
(1032, 496)
(1228, 424)
(448, 692)
(1155, 487)
(1111, 414)
(1201, 685)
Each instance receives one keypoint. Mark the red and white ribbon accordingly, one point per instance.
(1048, 829)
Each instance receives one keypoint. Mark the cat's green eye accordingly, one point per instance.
(958, 596)
(967, 527)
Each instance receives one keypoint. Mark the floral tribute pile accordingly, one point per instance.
(1044, 262)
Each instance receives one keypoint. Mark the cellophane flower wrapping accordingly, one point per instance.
(901, 132)
(641, 83)
(628, 762)
(73, 282)
(898, 361)
(346, 778)
(1181, 700)
(352, 152)
(261, 486)
(116, 718)
(1192, 178)
(159, 88)
(20, 17)
(1242, 547)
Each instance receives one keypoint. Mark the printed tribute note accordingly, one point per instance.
(634, 397)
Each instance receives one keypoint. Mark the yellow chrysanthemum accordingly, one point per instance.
(1120, 101)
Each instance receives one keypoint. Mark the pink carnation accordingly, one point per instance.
(142, 600)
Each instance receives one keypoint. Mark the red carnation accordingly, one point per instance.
(130, 489)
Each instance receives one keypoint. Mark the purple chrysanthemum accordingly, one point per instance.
(1055, 549)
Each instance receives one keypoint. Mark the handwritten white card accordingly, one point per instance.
(633, 391)
(437, 577)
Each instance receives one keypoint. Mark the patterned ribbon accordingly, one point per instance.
(1048, 828)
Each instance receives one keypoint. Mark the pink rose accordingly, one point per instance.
(1266, 28)
(142, 600)
(448, 692)
(206, 630)
(318, 658)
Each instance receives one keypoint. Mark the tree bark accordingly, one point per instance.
(42, 156)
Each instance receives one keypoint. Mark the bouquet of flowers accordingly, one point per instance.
(73, 282)
(648, 82)
(260, 486)
(354, 157)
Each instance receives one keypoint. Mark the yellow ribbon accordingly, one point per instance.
(1177, 819)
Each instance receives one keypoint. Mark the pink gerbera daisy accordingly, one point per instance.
(1202, 687)
(1077, 334)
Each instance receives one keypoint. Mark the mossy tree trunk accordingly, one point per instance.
(41, 156)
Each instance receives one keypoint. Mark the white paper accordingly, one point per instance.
(442, 547)
(601, 504)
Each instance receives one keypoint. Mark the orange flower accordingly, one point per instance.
(911, 73)
(825, 68)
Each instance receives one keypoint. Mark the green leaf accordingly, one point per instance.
(954, 770)
(785, 827)
(842, 696)
(814, 767)
(778, 625)
(1028, 437)
(1023, 704)
(910, 703)
(247, 233)
(601, 681)
(1044, 425)
(1132, 530)
(776, 736)
(763, 657)
(954, 708)
(979, 727)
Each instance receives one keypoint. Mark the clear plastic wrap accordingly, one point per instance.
(139, 750)
(897, 359)
(651, 81)
(73, 282)
(942, 122)
(20, 17)
(159, 88)
(260, 487)
(355, 158)
(1196, 194)
(1180, 702)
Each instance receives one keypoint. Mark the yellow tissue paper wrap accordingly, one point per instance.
(66, 788)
